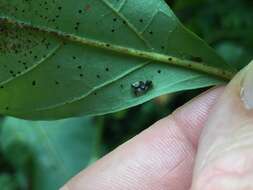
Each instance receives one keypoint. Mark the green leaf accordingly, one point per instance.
(7, 182)
(60, 59)
(235, 54)
(48, 153)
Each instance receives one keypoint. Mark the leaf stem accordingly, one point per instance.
(157, 57)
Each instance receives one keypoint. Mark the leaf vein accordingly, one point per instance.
(127, 23)
(123, 75)
(33, 67)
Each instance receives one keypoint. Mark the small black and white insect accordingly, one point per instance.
(140, 88)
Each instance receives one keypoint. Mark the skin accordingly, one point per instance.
(205, 145)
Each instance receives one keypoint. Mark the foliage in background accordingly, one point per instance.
(226, 25)
(44, 155)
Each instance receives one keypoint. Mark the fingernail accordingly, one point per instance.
(247, 87)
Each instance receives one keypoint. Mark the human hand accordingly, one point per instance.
(171, 155)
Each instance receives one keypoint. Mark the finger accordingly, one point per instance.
(225, 159)
(159, 158)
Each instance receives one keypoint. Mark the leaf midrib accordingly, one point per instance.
(157, 57)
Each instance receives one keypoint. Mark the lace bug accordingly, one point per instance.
(140, 88)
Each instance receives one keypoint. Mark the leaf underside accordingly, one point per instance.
(61, 59)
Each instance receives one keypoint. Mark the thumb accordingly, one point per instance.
(225, 155)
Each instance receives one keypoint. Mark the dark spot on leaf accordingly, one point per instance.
(196, 59)
(87, 7)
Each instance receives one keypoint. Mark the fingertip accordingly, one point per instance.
(161, 156)
(228, 135)
(193, 115)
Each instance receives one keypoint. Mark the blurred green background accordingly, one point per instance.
(44, 155)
